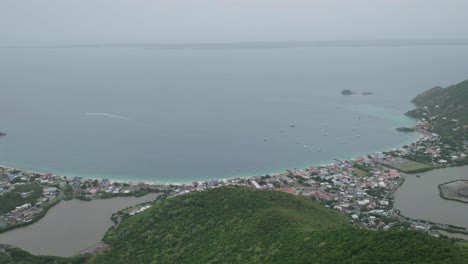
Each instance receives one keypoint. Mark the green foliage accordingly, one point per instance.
(219, 225)
(376, 192)
(362, 167)
(11, 255)
(451, 103)
(11, 200)
(67, 193)
(456, 95)
(410, 166)
(243, 225)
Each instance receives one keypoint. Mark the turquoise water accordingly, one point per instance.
(184, 115)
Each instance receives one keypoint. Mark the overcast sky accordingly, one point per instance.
(35, 22)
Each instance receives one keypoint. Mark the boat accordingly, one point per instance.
(292, 125)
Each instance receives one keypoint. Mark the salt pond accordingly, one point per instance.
(70, 226)
(419, 197)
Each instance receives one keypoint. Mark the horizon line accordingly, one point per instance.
(256, 44)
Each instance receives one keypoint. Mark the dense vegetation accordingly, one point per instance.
(10, 200)
(410, 166)
(450, 103)
(11, 255)
(243, 225)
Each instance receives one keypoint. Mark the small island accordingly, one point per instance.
(347, 92)
(455, 190)
(405, 129)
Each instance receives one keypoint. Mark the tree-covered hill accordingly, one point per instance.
(12, 255)
(453, 95)
(447, 108)
(243, 225)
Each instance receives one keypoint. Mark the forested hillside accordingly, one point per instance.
(447, 109)
(243, 225)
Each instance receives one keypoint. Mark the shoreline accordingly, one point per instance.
(420, 135)
(246, 175)
(443, 196)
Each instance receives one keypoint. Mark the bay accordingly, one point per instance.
(183, 115)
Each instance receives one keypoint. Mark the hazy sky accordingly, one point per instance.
(32, 22)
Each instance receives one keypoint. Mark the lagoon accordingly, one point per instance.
(70, 226)
(419, 198)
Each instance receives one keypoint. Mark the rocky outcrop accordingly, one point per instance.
(347, 92)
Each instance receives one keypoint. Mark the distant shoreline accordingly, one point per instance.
(256, 45)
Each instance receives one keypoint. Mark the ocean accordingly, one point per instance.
(130, 113)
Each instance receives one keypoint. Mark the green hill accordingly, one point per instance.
(243, 225)
(453, 95)
(12, 255)
(449, 109)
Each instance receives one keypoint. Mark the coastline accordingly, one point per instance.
(420, 135)
(443, 196)
(243, 175)
(246, 175)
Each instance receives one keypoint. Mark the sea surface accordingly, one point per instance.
(131, 113)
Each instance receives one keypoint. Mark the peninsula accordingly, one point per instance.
(405, 129)
(455, 190)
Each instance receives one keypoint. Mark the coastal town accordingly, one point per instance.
(362, 187)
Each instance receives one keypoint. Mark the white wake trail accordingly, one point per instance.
(107, 115)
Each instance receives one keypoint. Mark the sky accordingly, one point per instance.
(52, 22)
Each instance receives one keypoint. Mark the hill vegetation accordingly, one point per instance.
(22, 194)
(243, 225)
(449, 109)
(12, 255)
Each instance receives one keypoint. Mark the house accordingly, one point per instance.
(256, 185)
(384, 203)
(93, 190)
(50, 190)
